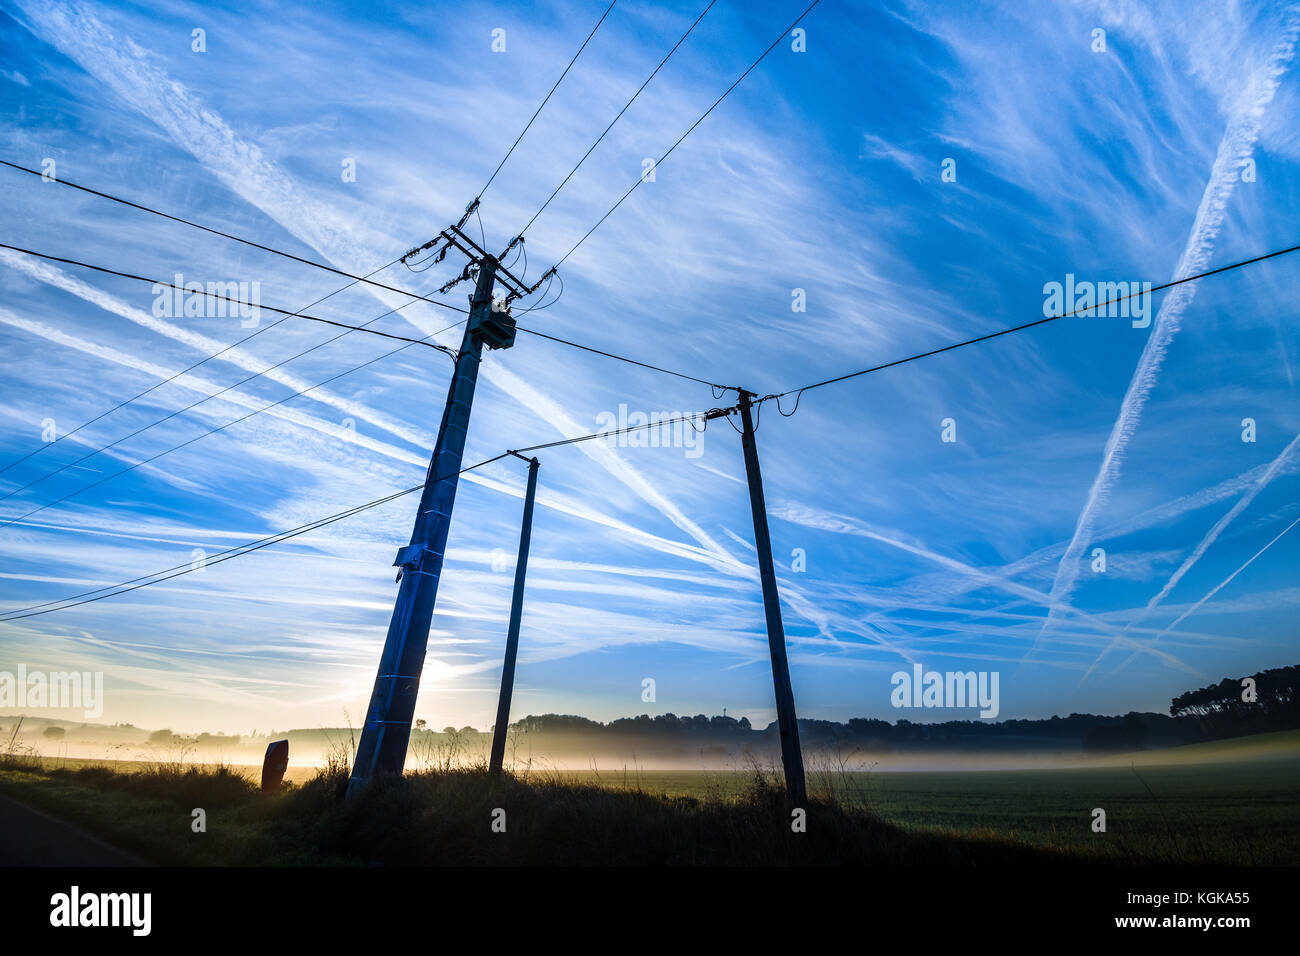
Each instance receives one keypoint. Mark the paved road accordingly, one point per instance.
(30, 838)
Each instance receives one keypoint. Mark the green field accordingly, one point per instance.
(1235, 800)
(1230, 802)
(1248, 813)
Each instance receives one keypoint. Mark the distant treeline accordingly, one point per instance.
(1094, 732)
(1234, 707)
(1226, 709)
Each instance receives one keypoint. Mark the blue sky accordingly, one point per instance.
(821, 172)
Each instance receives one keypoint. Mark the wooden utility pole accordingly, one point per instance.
(516, 614)
(787, 723)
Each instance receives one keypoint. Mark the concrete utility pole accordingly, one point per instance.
(516, 613)
(387, 729)
(787, 723)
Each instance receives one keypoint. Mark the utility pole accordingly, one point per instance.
(787, 723)
(516, 613)
(387, 729)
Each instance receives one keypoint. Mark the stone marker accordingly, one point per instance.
(274, 765)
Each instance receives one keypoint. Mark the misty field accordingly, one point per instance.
(1230, 802)
(1222, 812)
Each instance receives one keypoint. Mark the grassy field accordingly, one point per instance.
(1228, 802)
(1224, 801)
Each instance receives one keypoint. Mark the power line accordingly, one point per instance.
(210, 431)
(466, 245)
(160, 576)
(620, 358)
(616, 118)
(184, 371)
(688, 132)
(286, 315)
(269, 539)
(547, 98)
(218, 394)
(87, 597)
(300, 314)
(347, 328)
(225, 235)
(1027, 325)
(234, 301)
(693, 417)
(545, 292)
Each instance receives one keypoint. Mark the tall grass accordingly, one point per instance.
(18, 755)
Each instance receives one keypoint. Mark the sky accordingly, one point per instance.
(911, 174)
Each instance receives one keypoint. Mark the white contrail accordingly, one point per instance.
(840, 524)
(241, 358)
(1211, 536)
(1223, 522)
(1218, 587)
(1236, 147)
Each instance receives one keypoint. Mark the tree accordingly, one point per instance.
(1221, 709)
